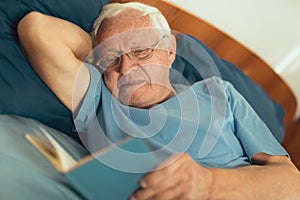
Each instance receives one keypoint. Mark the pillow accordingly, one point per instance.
(268, 110)
(25, 173)
(22, 91)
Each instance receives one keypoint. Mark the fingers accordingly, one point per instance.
(260, 158)
(263, 159)
(167, 182)
(169, 193)
(163, 172)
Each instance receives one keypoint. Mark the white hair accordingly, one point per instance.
(157, 20)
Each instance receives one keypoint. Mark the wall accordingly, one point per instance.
(270, 28)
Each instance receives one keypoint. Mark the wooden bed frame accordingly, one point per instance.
(231, 50)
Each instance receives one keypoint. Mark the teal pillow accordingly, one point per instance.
(22, 91)
(25, 173)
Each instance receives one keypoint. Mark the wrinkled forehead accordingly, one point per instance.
(128, 40)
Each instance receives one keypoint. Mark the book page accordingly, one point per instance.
(52, 150)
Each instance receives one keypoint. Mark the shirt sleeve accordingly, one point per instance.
(251, 131)
(87, 110)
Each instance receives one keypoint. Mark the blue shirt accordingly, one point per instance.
(209, 120)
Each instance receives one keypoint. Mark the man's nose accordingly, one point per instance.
(126, 64)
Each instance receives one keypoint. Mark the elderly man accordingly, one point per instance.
(135, 59)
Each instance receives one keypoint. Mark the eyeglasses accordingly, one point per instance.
(136, 54)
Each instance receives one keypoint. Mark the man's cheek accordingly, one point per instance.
(110, 80)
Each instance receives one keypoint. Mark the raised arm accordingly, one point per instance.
(56, 48)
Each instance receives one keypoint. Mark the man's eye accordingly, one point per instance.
(140, 53)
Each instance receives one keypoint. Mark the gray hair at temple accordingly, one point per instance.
(110, 10)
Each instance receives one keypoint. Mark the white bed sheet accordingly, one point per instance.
(269, 28)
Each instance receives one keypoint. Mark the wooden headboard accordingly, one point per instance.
(231, 50)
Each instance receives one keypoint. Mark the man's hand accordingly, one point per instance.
(271, 177)
(182, 179)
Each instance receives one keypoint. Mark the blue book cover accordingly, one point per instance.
(111, 173)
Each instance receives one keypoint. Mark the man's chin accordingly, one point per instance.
(142, 101)
(138, 99)
(138, 102)
(143, 97)
(142, 104)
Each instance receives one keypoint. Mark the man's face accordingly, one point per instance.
(135, 60)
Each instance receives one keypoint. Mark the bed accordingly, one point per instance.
(25, 95)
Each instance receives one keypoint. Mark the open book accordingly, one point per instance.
(107, 174)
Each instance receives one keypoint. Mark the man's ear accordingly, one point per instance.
(172, 49)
